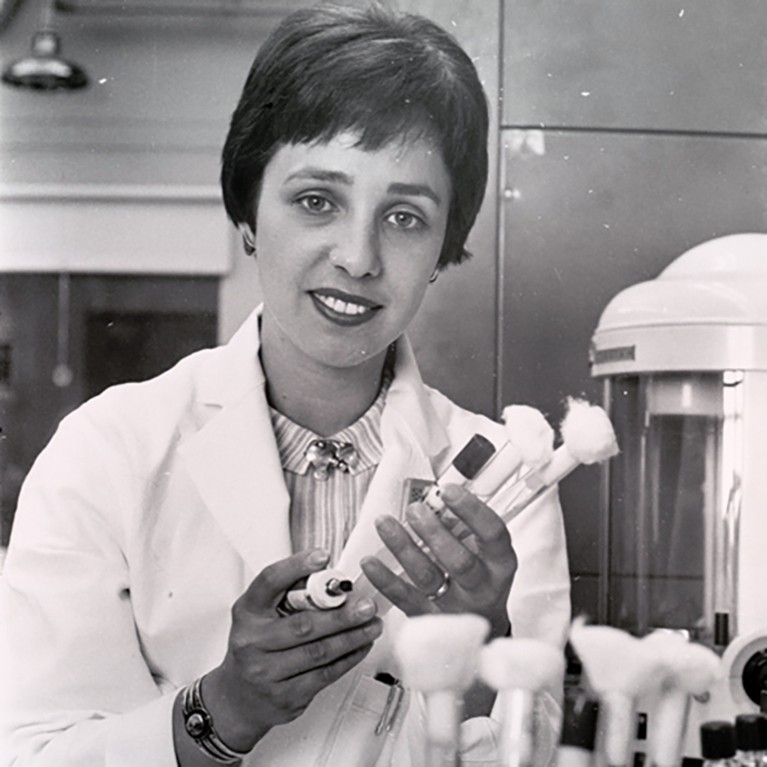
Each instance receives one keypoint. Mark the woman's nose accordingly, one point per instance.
(357, 250)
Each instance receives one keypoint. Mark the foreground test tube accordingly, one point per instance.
(620, 669)
(685, 670)
(579, 730)
(438, 656)
(520, 669)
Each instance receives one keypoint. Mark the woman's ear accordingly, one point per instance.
(248, 238)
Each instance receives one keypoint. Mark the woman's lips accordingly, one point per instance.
(343, 308)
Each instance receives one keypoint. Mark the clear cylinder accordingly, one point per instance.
(671, 504)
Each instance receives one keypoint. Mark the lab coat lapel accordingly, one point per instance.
(233, 460)
(413, 440)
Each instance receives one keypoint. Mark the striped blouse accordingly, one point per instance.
(323, 512)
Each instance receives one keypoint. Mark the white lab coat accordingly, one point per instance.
(149, 513)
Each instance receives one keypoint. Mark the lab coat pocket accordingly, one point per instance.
(365, 724)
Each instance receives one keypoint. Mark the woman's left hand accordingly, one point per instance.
(474, 576)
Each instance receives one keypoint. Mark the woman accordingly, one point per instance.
(161, 527)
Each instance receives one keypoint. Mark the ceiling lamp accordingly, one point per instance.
(44, 69)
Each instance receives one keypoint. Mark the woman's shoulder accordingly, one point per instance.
(173, 387)
(140, 411)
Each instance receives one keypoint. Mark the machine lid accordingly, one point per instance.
(716, 285)
(722, 281)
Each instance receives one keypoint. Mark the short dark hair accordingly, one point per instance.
(329, 69)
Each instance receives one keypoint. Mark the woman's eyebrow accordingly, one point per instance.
(415, 190)
(321, 174)
(337, 176)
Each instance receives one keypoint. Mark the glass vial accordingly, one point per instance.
(751, 740)
(717, 744)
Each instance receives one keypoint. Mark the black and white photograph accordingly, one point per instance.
(383, 383)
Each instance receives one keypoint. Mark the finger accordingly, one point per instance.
(270, 585)
(307, 685)
(325, 651)
(464, 566)
(492, 535)
(294, 695)
(310, 625)
(399, 592)
(422, 570)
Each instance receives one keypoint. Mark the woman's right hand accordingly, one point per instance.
(274, 666)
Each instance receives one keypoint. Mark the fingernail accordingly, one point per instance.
(420, 512)
(375, 628)
(386, 524)
(452, 492)
(318, 557)
(365, 608)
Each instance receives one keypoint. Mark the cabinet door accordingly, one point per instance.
(693, 66)
(64, 339)
(583, 216)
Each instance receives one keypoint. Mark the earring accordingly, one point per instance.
(248, 239)
(435, 274)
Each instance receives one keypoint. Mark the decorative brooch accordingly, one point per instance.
(326, 454)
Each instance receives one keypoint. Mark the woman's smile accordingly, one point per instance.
(344, 308)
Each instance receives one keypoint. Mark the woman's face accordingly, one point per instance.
(346, 240)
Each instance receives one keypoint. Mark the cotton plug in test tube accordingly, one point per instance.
(324, 590)
(588, 437)
(620, 669)
(519, 669)
(437, 657)
(685, 670)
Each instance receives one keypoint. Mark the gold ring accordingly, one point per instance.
(442, 590)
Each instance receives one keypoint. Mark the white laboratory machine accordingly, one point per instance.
(683, 359)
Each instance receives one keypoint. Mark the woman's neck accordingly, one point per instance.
(318, 397)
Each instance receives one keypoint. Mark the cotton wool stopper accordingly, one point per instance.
(687, 666)
(613, 659)
(440, 652)
(620, 668)
(587, 432)
(685, 669)
(521, 663)
(530, 432)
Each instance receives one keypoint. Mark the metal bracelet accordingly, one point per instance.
(198, 724)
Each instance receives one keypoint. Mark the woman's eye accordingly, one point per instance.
(404, 220)
(315, 203)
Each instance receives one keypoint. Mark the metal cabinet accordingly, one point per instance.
(455, 331)
(694, 65)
